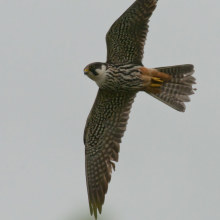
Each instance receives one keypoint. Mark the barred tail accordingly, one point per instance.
(176, 91)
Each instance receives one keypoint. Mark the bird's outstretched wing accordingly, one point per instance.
(104, 129)
(126, 37)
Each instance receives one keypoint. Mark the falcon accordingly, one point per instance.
(119, 79)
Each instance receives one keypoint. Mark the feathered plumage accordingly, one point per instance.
(119, 80)
(126, 37)
(104, 129)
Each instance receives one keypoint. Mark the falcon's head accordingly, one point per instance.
(95, 71)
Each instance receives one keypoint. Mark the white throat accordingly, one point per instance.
(101, 77)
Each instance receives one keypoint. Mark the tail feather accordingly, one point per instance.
(189, 80)
(184, 80)
(176, 91)
(183, 98)
(173, 88)
(177, 70)
(170, 101)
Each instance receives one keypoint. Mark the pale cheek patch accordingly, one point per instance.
(101, 71)
(100, 78)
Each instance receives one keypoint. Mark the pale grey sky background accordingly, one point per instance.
(169, 163)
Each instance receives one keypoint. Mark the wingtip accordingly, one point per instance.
(91, 209)
(100, 209)
(95, 212)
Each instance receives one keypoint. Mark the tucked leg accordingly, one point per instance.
(153, 79)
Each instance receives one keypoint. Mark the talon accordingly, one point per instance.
(157, 79)
(155, 85)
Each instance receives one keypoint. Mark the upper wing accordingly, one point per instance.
(104, 129)
(126, 37)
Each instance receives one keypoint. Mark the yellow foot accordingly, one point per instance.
(157, 79)
(155, 85)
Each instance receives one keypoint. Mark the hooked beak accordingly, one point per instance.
(86, 71)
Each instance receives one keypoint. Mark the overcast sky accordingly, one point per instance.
(169, 163)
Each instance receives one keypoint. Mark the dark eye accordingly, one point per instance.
(92, 67)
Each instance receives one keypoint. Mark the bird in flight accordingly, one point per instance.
(119, 79)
